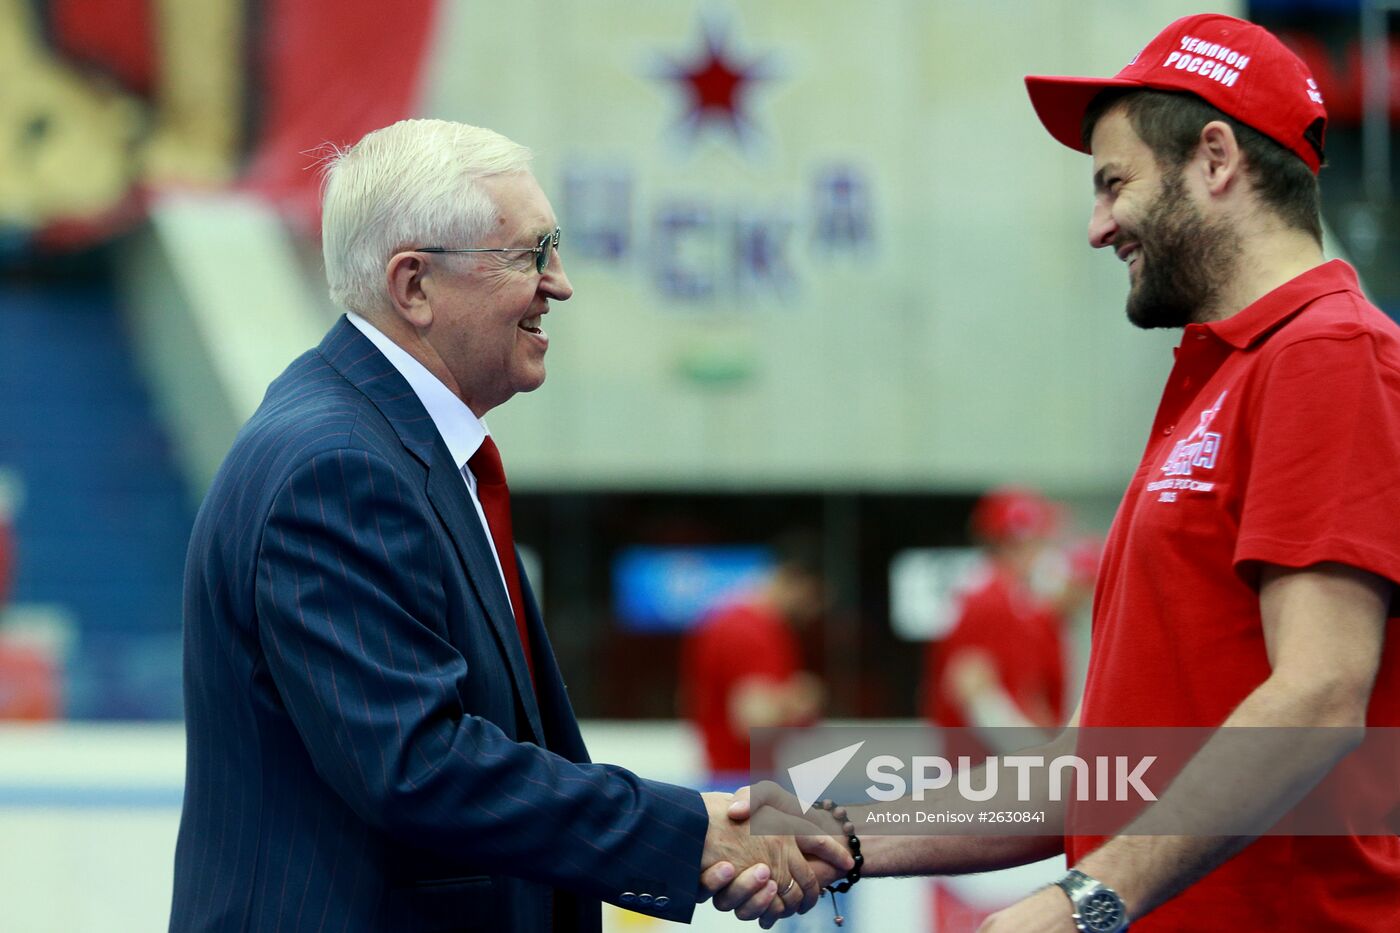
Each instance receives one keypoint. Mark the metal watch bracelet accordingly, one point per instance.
(1097, 908)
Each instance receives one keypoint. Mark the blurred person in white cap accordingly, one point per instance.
(1248, 577)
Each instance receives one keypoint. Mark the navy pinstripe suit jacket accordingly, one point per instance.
(365, 749)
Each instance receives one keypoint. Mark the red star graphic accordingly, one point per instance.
(716, 83)
(715, 87)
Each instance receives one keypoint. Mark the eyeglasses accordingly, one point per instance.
(543, 250)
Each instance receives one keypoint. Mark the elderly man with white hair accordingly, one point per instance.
(379, 735)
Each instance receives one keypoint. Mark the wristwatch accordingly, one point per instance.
(1097, 909)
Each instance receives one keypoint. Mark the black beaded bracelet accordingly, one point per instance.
(852, 840)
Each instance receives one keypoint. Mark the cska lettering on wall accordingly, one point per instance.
(700, 250)
(712, 247)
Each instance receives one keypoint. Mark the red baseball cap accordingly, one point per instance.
(1012, 513)
(1237, 67)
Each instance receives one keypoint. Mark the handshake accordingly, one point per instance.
(769, 877)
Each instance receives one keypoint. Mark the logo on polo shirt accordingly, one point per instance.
(1197, 452)
(1200, 449)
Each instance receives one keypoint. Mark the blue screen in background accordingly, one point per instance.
(668, 589)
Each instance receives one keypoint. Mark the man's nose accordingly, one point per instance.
(1102, 227)
(555, 281)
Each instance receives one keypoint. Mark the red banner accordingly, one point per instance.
(120, 99)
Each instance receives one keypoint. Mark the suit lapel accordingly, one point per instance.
(448, 493)
(360, 362)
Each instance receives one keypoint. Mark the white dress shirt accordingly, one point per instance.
(459, 426)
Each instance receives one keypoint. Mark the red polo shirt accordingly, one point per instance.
(1023, 639)
(737, 642)
(1277, 442)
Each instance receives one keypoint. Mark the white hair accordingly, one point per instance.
(410, 184)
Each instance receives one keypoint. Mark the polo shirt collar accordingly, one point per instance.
(1250, 325)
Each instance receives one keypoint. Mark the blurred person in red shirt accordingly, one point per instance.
(28, 680)
(1003, 662)
(741, 666)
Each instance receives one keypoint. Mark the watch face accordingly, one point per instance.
(1101, 912)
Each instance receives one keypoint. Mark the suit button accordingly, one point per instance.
(643, 898)
(1169, 429)
(662, 901)
(627, 897)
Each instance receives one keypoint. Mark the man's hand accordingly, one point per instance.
(818, 835)
(1045, 911)
(769, 876)
(813, 830)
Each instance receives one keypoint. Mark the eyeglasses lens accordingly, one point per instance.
(548, 244)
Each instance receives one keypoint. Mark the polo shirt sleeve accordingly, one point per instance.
(1324, 476)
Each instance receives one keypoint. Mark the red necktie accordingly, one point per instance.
(494, 496)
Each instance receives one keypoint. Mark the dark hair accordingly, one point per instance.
(1171, 123)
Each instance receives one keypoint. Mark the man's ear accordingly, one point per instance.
(405, 276)
(1219, 156)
